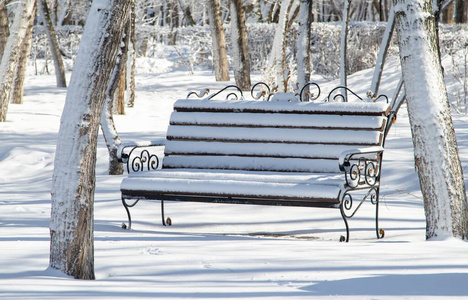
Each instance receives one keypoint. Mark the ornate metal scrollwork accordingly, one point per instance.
(138, 161)
(264, 94)
(341, 97)
(142, 162)
(305, 91)
(200, 94)
(362, 171)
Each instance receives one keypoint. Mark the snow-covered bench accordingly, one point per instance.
(304, 154)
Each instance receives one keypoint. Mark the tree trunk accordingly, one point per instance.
(303, 44)
(344, 41)
(241, 59)
(458, 11)
(54, 47)
(4, 29)
(73, 183)
(8, 65)
(435, 147)
(220, 58)
(131, 60)
(382, 55)
(22, 65)
(119, 95)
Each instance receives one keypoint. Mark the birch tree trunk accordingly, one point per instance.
(241, 59)
(53, 43)
(22, 65)
(131, 59)
(344, 41)
(382, 55)
(303, 43)
(220, 58)
(8, 65)
(435, 147)
(4, 28)
(73, 183)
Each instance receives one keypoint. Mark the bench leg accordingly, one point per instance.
(165, 222)
(348, 210)
(380, 232)
(127, 206)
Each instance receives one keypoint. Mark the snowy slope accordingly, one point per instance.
(216, 251)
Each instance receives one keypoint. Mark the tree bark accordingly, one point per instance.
(382, 55)
(53, 43)
(219, 49)
(344, 41)
(130, 95)
(435, 147)
(4, 29)
(241, 59)
(73, 183)
(8, 65)
(18, 83)
(458, 11)
(303, 44)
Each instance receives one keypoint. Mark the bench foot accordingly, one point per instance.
(348, 211)
(127, 206)
(165, 221)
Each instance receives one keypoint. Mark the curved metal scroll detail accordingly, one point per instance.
(231, 95)
(309, 96)
(341, 97)
(142, 161)
(200, 94)
(262, 93)
(362, 171)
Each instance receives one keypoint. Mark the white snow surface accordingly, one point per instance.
(216, 251)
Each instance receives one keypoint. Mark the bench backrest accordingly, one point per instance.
(270, 136)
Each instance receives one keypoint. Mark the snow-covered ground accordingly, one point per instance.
(216, 251)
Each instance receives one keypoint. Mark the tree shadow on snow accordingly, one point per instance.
(447, 284)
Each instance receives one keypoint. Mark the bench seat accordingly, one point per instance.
(317, 189)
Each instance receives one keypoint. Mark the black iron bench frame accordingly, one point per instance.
(138, 158)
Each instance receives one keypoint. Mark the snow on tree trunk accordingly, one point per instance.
(54, 47)
(131, 59)
(220, 58)
(22, 65)
(4, 29)
(276, 69)
(435, 147)
(8, 65)
(303, 43)
(382, 55)
(344, 40)
(73, 183)
(240, 51)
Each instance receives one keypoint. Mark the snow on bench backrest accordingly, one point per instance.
(270, 136)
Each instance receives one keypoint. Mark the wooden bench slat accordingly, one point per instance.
(354, 108)
(274, 135)
(252, 163)
(278, 120)
(177, 147)
(211, 187)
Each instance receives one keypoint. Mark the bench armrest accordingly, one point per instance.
(137, 155)
(361, 170)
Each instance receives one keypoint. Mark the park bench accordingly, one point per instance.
(285, 153)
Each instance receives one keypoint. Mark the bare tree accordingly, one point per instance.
(54, 47)
(73, 183)
(344, 41)
(435, 147)
(303, 43)
(22, 65)
(241, 59)
(4, 29)
(8, 65)
(220, 58)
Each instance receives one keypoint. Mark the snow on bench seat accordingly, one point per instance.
(270, 185)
